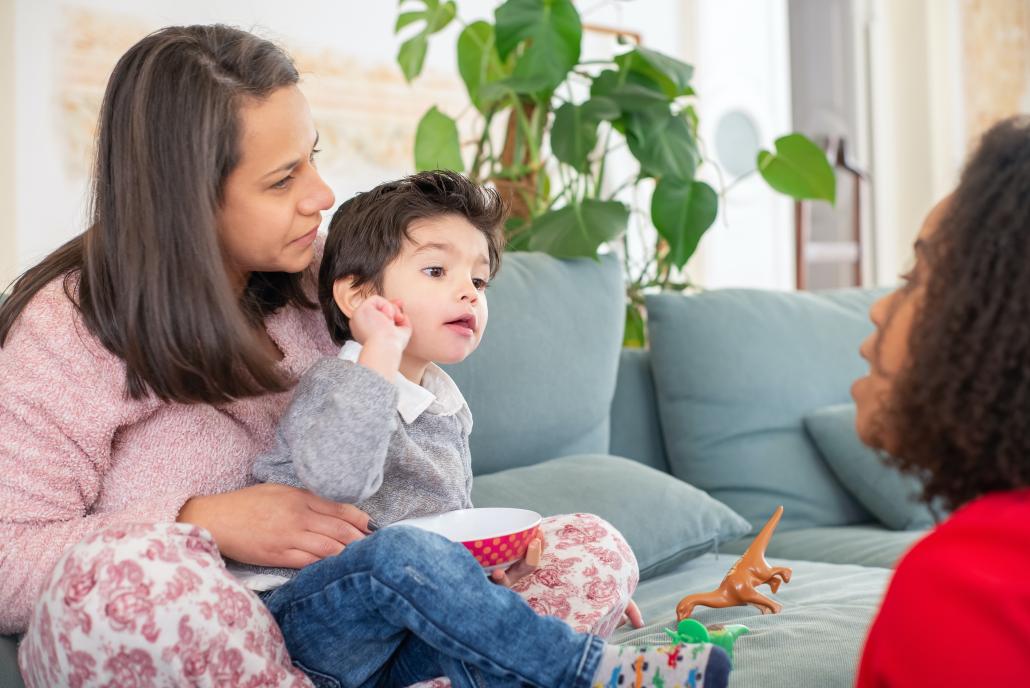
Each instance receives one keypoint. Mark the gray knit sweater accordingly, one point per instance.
(343, 438)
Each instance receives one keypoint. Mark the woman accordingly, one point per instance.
(948, 395)
(146, 362)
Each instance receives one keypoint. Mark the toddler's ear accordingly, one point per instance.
(348, 296)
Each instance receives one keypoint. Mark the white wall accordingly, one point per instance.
(8, 234)
(63, 50)
(55, 83)
(740, 53)
(917, 119)
(742, 56)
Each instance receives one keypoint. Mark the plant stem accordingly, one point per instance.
(622, 187)
(604, 159)
(477, 161)
(726, 189)
(527, 129)
(625, 253)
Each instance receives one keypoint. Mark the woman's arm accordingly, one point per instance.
(61, 404)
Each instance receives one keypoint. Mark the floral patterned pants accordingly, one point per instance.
(153, 605)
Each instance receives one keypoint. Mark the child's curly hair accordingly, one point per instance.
(959, 414)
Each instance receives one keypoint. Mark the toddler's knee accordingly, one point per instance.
(404, 551)
(405, 544)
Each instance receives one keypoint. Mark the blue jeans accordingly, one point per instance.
(404, 605)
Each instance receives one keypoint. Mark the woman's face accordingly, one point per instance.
(886, 349)
(274, 198)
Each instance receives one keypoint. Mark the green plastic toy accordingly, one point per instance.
(693, 631)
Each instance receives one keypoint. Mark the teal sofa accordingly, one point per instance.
(685, 447)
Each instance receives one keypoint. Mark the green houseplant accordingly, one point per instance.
(546, 150)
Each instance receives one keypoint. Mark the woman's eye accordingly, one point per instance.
(433, 272)
(480, 284)
(283, 183)
(314, 152)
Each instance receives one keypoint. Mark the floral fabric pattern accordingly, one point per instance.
(153, 605)
(586, 576)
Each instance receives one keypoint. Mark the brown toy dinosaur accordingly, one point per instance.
(738, 587)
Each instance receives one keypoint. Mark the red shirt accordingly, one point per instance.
(957, 611)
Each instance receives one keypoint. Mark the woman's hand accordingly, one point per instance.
(276, 525)
(522, 568)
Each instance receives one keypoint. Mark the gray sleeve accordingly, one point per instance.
(333, 438)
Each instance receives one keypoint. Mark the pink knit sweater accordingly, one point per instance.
(76, 455)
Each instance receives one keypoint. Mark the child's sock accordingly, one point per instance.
(695, 665)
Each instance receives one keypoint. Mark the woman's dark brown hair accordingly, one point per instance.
(960, 413)
(148, 275)
(368, 231)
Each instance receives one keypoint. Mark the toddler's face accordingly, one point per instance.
(441, 276)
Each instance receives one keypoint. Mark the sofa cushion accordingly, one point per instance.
(636, 431)
(542, 381)
(814, 642)
(864, 545)
(735, 372)
(665, 520)
(888, 494)
(10, 677)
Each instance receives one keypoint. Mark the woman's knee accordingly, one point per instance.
(121, 574)
(581, 530)
(153, 600)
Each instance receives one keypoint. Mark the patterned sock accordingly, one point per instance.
(695, 665)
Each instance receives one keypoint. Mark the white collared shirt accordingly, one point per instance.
(437, 394)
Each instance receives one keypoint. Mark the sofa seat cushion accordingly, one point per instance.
(542, 381)
(735, 372)
(665, 520)
(888, 494)
(865, 545)
(815, 641)
(10, 677)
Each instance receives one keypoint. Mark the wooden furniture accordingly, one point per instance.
(846, 251)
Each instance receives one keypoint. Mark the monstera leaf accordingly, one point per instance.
(578, 229)
(437, 16)
(553, 33)
(436, 143)
(682, 210)
(799, 168)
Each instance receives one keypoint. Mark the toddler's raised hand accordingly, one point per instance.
(378, 322)
(383, 330)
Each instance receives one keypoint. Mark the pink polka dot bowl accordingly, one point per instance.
(497, 537)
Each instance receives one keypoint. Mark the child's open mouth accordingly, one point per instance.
(464, 326)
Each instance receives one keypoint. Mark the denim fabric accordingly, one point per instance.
(404, 605)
